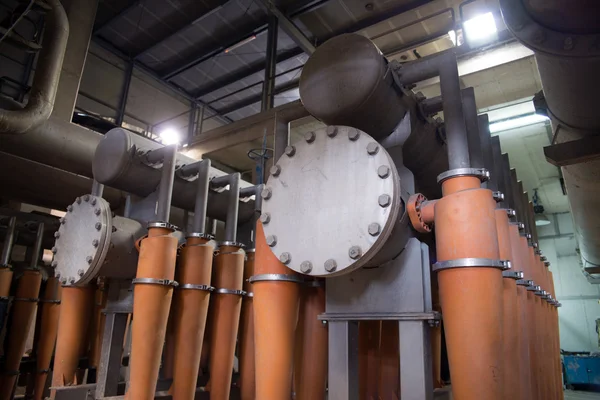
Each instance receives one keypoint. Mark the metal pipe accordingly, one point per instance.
(445, 65)
(233, 180)
(97, 189)
(165, 189)
(255, 191)
(268, 97)
(475, 145)
(37, 247)
(45, 82)
(199, 221)
(8, 242)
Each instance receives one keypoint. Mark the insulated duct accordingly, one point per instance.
(564, 37)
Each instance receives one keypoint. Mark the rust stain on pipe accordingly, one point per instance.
(247, 382)
(389, 379)
(190, 309)
(48, 330)
(310, 373)
(275, 317)
(97, 325)
(471, 298)
(510, 312)
(22, 317)
(151, 304)
(228, 275)
(369, 336)
(72, 333)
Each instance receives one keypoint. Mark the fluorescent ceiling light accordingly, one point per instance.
(480, 28)
(518, 122)
(170, 136)
(541, 220)
(240, 44)
(452, 36)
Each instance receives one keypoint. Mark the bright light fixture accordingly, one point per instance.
(170, 136)
(452, 36)
(518, 122)
(541, 220)
(480, 28)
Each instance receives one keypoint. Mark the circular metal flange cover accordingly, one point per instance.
(83, 240)
(333, 204)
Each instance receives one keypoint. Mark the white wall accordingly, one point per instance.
(579, 298)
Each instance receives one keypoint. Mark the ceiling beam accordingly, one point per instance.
(293, 84)
(289, 27)
(124, 11)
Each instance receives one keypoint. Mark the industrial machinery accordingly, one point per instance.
(371, 237)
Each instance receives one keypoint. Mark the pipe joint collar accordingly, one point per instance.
(275, 277)
(481, 173)
(191, 286)
(516, 275)
(231, 291)
(163, 225)
(154, 281)
(471, 263)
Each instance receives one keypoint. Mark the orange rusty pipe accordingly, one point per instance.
(557, 361)
(510, 313)
(226, 303)
(389, 378)
(247, 382)
(436, 338)
(523, 318)
(6, 275)
(275, 317)
(72, 329)
(311, 367)
(535, 342)
(48, 330)
(530, 312)
(190, 309)
(22, 317)
(97, 325)
(369, 336)
(152, 294)
(471, 298)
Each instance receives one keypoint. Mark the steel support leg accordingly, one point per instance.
(343, 360)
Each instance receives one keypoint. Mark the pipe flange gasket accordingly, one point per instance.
(154, 281)
(191, 286)
(481, 173)
(162, 224)
(516, 275)
(470, 263)
(413, 208)
(275, 277)
(199, 235)
(27, 299)
(231, 243)
(51, 301)
(230, 291)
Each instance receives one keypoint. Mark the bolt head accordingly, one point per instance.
(330, 265)
(353, 134)
(266, 193)
(54, 264)
(290, 151)
(275, 170)
(372, 148)
(71, 280)
(88, 259)
(95, 242)
(265, 218)
(78, 200)
(94, 201)
(97, 211)
(63, 280)
(98, 226)
(383, 171)
(331, 131)
(374, 229)
(310, 137)
(384, 200)
(86, 197)
(80, 272)
(54, 250)
(354, 252)
(57, 234)
(271, 240)
(62, 220)
(306, 267)
(70, 208)
(285, 258)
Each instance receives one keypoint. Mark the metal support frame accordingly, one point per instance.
(268, 95)
(399, 290)
(124, 94)
(573, 152)
(289, 27)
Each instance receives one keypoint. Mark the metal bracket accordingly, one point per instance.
(470, 263)
(230, 291)
(517, 275)
(573, 152)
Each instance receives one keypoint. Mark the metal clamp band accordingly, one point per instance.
(26, 299)
(510, 212)
(252, 250)
(498, 196)
(199, 235)
(275, 277)
(220, 253)
(541, 293)
(192, 286)
(7, 298)
(537, 251)
(51, 301)
(534, 288)
(547, 263)
(11, 373)
(230, 291)
(524, 282)
(481, 173)
(43, 371)
(519, 225)
(230, 243)
(250, 294)
(517, 275)
(153, 281)
(471, 262)
(161, 224)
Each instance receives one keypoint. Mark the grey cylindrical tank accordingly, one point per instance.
(346, 82)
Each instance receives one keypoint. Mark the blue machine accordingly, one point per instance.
(582, 370)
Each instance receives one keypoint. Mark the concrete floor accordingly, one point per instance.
(571, 395)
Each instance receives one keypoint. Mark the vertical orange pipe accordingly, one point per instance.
(6, 275)
(471, 298)
(22, 317)
(510, 313)
(369, 336)
(549, 343)
(228, 276)
(389, 380)
(555, 327)
(311, 368)
(523, 319)
(48, 330)
(151, 303)
(531, 325)
(275, 318)
(72, 329)
(189, 318)
(97, 325)
(536, 333)
(436, 338)
(247, 380)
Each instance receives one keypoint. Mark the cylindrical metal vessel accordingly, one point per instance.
(347, 82)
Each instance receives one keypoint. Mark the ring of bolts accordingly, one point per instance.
(374, 229)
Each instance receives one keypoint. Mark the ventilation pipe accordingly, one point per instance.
(564, 37)
(45, 82)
